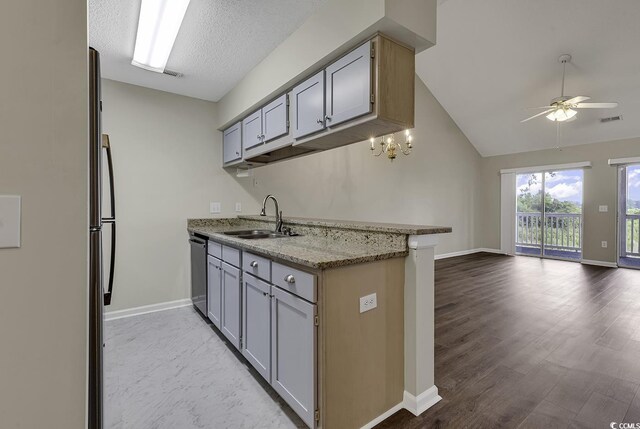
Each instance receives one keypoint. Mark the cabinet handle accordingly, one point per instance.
(328, 118)
(237, 153)
(319, 121)
(262, 136)
(258, 136)
(253, 264)
(265, 293)
(290, 279)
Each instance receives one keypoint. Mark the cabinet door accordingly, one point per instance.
(293, 352)
(348, 86)
(256, 324)
(308, 106)
(252, 130)
(232, 143)
(275, 118)
(214, 292)
(231, 305)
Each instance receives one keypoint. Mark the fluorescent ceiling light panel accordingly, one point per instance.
(158, 26)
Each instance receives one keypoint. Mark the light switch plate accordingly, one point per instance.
(238, 207)
(215, 207)
(604, 244)
(368, 302)
(603, 209)
(10, 221)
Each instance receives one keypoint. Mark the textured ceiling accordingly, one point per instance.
(495, 58)
(219, 42)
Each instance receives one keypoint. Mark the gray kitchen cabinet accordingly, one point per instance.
(308, 106)
(252, 130)
(275, 119)
(214, 290)
(293, 352)
(256, 324)
(231, 304)
(348, 86)
(232, 143)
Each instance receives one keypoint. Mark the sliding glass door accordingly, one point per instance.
(629, 216)
(549, 214)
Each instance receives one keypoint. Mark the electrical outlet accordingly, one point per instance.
(603, 209)
(604, 244)
(215, 207)
(238, 207)
(368, 302)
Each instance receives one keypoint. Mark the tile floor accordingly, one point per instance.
(172, 370)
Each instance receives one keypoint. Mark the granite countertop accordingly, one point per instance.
(396, 228)
(323, 244)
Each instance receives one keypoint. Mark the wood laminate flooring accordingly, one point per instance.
(524, 342)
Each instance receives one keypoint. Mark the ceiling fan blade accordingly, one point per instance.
(539, 114)
(596, 105)
(543, 107)
(578, 99)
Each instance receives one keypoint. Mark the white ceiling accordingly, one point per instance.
(219, 42)
(495, 58)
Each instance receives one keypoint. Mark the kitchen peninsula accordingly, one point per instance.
(338, 319)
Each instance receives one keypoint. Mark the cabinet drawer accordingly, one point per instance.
(257, 265)
(297, 282)
(214, 249)
(231, 256)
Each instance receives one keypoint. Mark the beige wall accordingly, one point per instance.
(43, 158)
(436, 184)
(599, 189)
(167, 162)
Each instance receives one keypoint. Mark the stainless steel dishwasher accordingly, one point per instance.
(199, 272)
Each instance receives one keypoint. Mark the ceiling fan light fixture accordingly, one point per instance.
(561, 115)
(158, 27)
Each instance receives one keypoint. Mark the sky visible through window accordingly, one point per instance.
(561, 185)
(633, 187)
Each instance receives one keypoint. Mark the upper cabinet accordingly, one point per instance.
(252, 130)
(348, 86)
(232, 143)
(368, 92)
(308, 106)
(275, 119)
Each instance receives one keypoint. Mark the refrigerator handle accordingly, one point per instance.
(107, 294)
(107, 145)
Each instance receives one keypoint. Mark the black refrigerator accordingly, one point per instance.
(100, 162)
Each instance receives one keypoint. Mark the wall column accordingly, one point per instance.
(420, 391)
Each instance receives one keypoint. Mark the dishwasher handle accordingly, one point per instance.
(197, 241)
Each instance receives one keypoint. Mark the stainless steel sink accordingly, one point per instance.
(253, 234)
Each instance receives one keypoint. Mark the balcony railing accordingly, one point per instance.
(562, 231)
(633, 235)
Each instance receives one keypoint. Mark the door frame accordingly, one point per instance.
(621, 209)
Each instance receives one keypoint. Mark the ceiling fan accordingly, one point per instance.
(563, 108)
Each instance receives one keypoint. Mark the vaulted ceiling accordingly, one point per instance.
(493, 60)
(496, 58)
(219, 42)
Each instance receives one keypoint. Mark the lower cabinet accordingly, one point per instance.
(293, 352)
(256, 326)
(214, 290)
(231, 305)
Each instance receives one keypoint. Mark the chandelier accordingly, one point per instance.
(389, 146)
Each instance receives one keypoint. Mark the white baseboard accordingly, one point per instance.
(468, 252)
(421, 403)
(416, 405)
(137, 311)
(600, 263)
(383, 416)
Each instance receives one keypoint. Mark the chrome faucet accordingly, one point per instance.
(278, 212)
